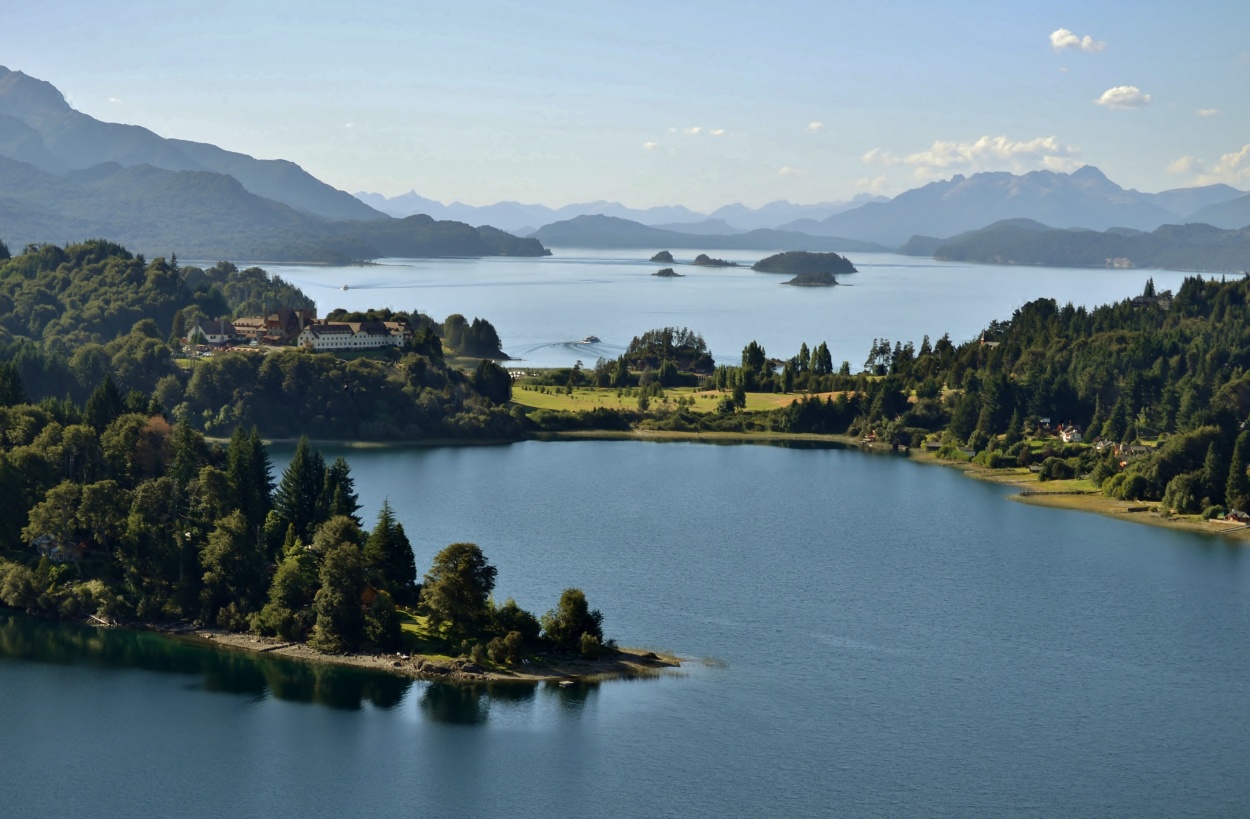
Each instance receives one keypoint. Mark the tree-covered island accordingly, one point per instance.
(667, 273)
(663, 257)
(800, 263)
(704, 260)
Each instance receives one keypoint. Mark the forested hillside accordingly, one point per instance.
(75, 318)
(1168, 374)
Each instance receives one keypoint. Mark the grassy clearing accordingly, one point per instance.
(588, 398)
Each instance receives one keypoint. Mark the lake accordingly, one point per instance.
(885, 639)
(543, 307)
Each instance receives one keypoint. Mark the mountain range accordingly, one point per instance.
(65, 175)
(1194, 246)
(597, 231)
(521, 218)
(1084, 198)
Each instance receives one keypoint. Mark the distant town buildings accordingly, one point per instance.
(302, 328)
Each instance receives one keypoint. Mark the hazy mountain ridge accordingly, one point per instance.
(57, 138)
(598, 231)
(1084, 198)
(516, 215)
(1194, 246)
(211, 215)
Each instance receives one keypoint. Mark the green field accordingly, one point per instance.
(587, 398)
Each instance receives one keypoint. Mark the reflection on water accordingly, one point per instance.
(230, 672)
(259, 676)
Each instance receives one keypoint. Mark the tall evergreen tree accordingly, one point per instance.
(11, 391)
(1215, 473)
(298, 497)
(251, 481)
(338, 496)
(388, 557)
(104, 405)
(1237, 488)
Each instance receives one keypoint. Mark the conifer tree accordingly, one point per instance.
(298, 497)
(338, 496)
(388, 557)
(248, 468)
(1237, 488)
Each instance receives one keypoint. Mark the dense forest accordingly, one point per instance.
(113, 514)
(1158, 386)
(73, 317)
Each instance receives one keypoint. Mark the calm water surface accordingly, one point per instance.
(891, 640)
(543, 307)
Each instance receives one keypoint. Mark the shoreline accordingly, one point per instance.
(627, 664)
(1140, 512)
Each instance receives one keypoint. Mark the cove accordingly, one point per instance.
(887, 640)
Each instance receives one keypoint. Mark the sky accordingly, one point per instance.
(659, 103)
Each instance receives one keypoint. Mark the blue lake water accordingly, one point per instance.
(889, 639)
(543, 307)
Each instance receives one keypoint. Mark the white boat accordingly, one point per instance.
(590, 340)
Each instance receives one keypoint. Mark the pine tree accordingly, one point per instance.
(11, 391)
(298, 497)
(1237, 488)
(388, 557)
(338, 496)
(104, 405)
(251, 482)
(1215, 473)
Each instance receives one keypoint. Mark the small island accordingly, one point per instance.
(820, 278)
(704, 260)
(799, 262)
(668, 273)
(663, 257)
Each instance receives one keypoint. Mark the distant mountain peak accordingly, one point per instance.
(23, 95)
(1089, 173)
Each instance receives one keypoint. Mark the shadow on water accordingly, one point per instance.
(259, 677)
(471, 704)
(222, 671)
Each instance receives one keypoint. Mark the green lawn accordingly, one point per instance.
(587, 398)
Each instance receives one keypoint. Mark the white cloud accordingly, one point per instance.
(1208, 112)
(695, 130)
(877, 184)
(1185, 164)
(717, 132)
(1061, 39)
(815, 126)
(114, 100)
(1123, 96)
(651, 145)
(1233, 169)
(786, 170)
(985, 153)
(349, 125)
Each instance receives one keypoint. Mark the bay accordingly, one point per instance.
(544, 307)
(888, 639)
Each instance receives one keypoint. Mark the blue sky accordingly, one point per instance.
(696, 103)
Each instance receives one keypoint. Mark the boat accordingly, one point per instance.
(344, 287)
(590, 340)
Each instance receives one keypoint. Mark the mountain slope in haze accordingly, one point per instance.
(515, 216)
(58, 138)
(211, 215)
(1230, 214)
(1174, 247)
(1186, 202)
(613, 232)
(1084, 198)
